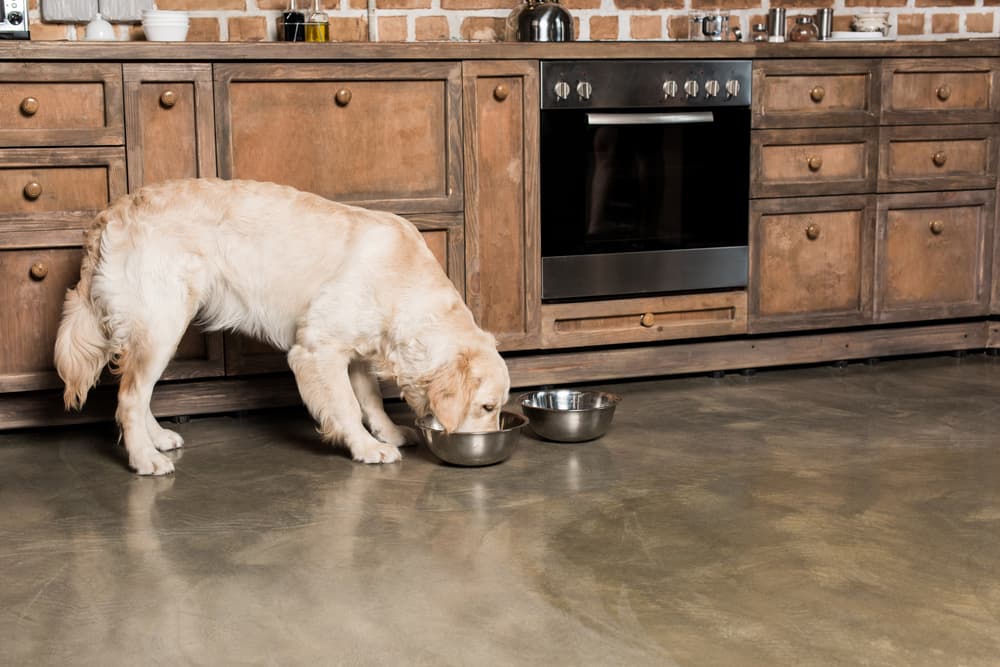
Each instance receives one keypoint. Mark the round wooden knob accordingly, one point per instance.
(168, 98)
(343, 97)
(815, 163)
(39, 271)
(812, 232)
(936, 227)
(33, 190)
(817, 94)
(501, 92)
(647, 320)
(29, 106)
(939, 159)
(944, 92)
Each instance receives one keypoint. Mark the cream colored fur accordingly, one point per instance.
(353, 295)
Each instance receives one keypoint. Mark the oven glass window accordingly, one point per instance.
(610, 187)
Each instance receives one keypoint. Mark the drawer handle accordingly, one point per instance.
(815, 163)
(647, 320)
(343, 97)
(936, 227)
(817, 94)
(168, 99)
(812, 232)
(38, 271)
(500, 93)
(29, 106)
(939, 159)
(944, 92)
(33, 190)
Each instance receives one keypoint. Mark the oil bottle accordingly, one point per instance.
(317, 23)
(291, 24)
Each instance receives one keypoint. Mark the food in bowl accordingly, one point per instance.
(473, 449)
(569, 415)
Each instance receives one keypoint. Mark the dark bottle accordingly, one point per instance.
(291, 24)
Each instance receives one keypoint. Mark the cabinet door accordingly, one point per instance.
(810, 262)
(386, 136)
(170, 118)
(939, 90)
(502, 209)
(931, 251)
(815, 93)
(813, 162)
(915, 158)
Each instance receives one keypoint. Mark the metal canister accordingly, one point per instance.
(824, 23)
(776, 24)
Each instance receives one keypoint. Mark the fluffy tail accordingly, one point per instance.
(81, 349)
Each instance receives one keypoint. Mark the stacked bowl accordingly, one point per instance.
(165, 26)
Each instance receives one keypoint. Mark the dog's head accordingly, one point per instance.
(469, 391)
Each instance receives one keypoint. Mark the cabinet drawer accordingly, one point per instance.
(811, 262)
(60, 105)
(805, 93)
(953, 90)
(915, 158)
(49, 195)
(931, 251)
(816, 162)
(386, 136)
(643, 319)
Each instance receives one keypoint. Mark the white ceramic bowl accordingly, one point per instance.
(156, 32)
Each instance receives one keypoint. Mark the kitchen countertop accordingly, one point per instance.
(284, 51)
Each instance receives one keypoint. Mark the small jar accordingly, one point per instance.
(804, 30)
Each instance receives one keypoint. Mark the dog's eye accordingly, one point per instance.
(489, 407)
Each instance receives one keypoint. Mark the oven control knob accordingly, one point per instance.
(712, 88)
(691, 88)
(670, 89)
(584, 89)
(732, 88)
(561, 90)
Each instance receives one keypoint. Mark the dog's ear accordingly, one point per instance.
(450, 393)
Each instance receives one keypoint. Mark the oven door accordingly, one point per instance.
(643, 202)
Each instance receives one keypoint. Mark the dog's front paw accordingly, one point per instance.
(151, 462)
(380, 453)
(167, 440)
(398, 436)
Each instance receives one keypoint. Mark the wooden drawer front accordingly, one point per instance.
(33, 284)
(60, 105)
(939, 91)
(797, 162)
(799, 94)
(643, 319)
(49, 195)
(811, 263)
(915, 158)
(377, 135)
(931, 255)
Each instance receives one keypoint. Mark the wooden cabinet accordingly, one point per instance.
(933, 255)
(820, 161)
(939, 90)
(811, 93)
(914, 158)
(811, 262)
(503, 285)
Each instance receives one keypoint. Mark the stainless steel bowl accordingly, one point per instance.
(567, 415)
(473, 449)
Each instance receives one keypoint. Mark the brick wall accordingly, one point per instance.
(483, 20)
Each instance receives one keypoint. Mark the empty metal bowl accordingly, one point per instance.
(568, 415)
(473, 449)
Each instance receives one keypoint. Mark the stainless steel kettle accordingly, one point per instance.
(540, 21)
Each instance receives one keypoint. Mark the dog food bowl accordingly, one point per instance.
(567, 415)
(473, 449)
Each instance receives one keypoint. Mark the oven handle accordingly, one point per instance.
(649, 118)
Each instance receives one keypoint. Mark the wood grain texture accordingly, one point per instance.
(968, 155)
(813, 162)
(786, 93)
(912, 91)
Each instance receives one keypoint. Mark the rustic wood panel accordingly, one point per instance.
(931, 251)
(503, 284)
(931, 90)
(813, 162)
(379, 135)
(75, 104)
(940, 157)
(815, 93)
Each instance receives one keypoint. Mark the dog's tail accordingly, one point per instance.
(82, 348)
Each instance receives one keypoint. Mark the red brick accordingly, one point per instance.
(475, 4)
(204, 30)
(875, 5)
(247, 29)
(483, 29)
(432, 29)
(392, 28)
(404, 4)
(979, 22)
(603, 27)
(910, 24)
(677, 27)
(650, 5)
(201, 4)
(728, 4)
(48, 32)
(945, 3)
(944, 23)
(646, 27)
(348, 29)
(588, 4)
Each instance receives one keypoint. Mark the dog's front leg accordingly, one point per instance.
(366, 388)
(322, 375)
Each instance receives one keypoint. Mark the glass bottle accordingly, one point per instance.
(804, 30)
(317, 24)
(290, 24)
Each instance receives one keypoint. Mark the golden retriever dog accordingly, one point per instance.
(352, 295)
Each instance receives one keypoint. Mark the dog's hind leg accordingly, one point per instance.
(369, 396)
(321, 372)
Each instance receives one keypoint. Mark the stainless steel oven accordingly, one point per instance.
(644, 177)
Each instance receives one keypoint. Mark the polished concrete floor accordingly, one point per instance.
(815, 516)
